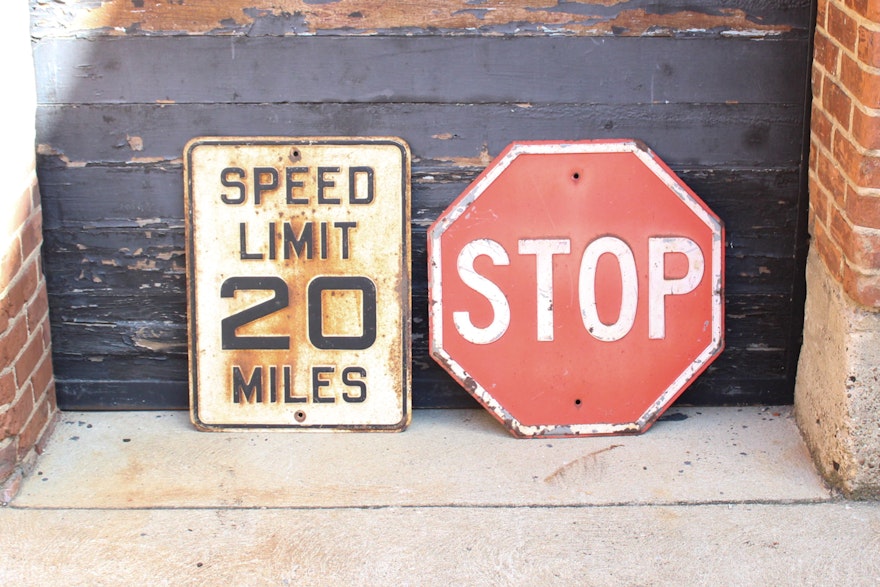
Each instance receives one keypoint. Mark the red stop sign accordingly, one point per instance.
(576, 288)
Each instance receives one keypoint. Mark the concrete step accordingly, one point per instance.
(708, 496)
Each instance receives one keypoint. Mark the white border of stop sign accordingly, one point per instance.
(543, 251)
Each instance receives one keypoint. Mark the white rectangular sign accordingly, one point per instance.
(298, 267)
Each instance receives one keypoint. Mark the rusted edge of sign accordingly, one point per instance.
(476, 189)
(405, 285)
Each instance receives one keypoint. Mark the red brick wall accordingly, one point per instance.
(845, 145)
(27, 387)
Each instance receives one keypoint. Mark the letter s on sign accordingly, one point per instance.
(482, 285)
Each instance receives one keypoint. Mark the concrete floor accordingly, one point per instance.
(708, 496)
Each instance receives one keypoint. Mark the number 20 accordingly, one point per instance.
(229, 325)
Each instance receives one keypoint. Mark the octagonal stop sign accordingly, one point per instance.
(576, 288)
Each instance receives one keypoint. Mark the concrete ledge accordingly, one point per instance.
(447, 457)
(725, 496)
(837, 396)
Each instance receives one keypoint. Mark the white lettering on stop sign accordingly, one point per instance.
(659, 287)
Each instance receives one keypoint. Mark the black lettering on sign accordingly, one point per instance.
(242, 190)
(289, 398)
(344, 227)
(251, 390)
(232, 341)
(318, 382)
(316, 312)
(260, 186)
(291, 183)
(353, 197)
(324, 183)
(301, 244)
(273, 383)
(273, 237)
(242, 242)
(347, 379)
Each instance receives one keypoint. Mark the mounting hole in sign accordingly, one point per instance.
(577, 402)
(299, 415)
(575, 175)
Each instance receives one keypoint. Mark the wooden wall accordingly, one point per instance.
(718, 88)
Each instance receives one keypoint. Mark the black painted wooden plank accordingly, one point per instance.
(762, 327)
(759, 212)
(126, 394)
(724, 383)
(747, 199)
(610, 70)
(447, 135)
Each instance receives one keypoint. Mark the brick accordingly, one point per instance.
(28, 359)
(866, 129)
(822, 15)
(12, 341)
(10, 264)
(816, 79)
(32, 235)
(869, 47)
(820, 126)
(863, 250)
(47, 336)
(842, 28)
(8, 389)
(10, 487)
(862, 170)
(12, 421)
(38, 309)
(837, 103)
(32, 430)
(49, 428)
(825, 53)
(42, 377)
(861, 287)
(839, 228)
(818, 200)
(864, 86)
(8, 457)
(829, 252)
(868, 8)
(863, 210)
(831, 178)
(13, 303)
(813, 155)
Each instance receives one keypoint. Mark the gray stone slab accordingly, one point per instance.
(446, 458)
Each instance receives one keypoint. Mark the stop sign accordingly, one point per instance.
(576, 288)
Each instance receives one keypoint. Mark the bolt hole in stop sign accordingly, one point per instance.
(576, 288)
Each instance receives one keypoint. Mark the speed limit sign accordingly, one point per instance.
(298, 282)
